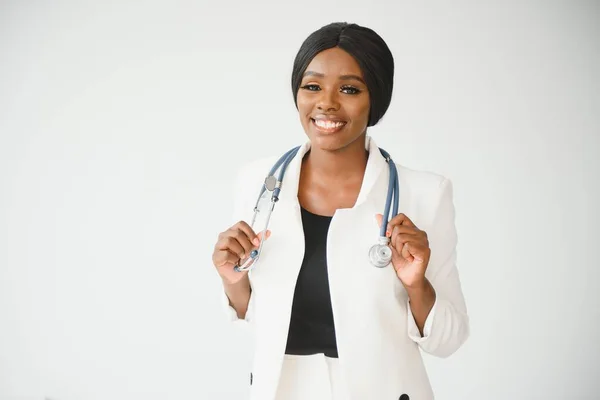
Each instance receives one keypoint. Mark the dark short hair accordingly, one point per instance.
(368, 49)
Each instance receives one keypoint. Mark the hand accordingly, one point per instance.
(233, 246)
(410, 250)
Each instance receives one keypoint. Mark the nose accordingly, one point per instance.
(328, 101)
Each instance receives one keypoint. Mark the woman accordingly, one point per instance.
(329, 325)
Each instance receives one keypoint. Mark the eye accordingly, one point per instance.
(350, 89)
(311, 87)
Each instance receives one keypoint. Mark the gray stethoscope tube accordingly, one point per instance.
(380, 254)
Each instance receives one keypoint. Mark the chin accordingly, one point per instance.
(330, 144)
(335, 142)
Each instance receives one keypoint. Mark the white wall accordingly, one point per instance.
(121, 124)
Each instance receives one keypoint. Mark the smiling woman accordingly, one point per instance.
(333, 98)
(328, 324)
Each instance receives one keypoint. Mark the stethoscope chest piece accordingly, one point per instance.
(380, 254)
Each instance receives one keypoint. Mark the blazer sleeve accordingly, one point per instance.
(447, 325)
(242, 211)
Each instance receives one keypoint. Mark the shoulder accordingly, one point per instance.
(430, 195)
(422, 181)
(253, 172)
(258, 165)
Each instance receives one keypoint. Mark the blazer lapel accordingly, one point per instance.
(376, 164)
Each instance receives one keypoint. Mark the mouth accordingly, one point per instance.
(328, 126)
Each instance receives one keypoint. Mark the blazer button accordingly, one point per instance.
(404, 397)
(251, 377)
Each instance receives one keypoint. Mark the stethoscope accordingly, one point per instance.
(380, 254)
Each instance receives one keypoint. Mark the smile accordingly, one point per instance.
(327, 126)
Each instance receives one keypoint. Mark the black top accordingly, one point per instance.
(311, 325)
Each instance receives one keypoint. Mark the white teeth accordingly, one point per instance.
(328, 124)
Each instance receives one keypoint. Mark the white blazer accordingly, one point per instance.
(378, 341)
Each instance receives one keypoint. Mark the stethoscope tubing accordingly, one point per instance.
(391, 202)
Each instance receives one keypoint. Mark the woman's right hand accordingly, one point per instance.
(233, 247)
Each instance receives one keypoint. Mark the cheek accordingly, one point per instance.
(360, 111)
(304, 104)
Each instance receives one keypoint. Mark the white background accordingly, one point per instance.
(121, 124)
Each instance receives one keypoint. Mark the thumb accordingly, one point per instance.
(379, 219)
(258, 237)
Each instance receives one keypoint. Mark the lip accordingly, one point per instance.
(330, 118)
(326, 117)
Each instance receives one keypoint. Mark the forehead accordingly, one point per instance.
(334, 62)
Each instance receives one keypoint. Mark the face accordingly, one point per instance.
(333, 101)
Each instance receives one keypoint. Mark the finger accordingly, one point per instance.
(237, 243)
(400, 254)
(401, 219)
(417, 250)
(259, 236)
(225, 257)
(399, 239)
(379, 219)
(411, 230)
(395, 255)
(405, 230)
(406, 252)
(247, 229)
(243, 240)
(231, 244)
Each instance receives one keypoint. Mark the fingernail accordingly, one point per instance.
(256, 242)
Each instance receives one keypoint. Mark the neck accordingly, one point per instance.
(341, 165)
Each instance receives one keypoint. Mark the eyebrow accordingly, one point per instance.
(342, 77)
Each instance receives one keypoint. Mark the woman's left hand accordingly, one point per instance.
(410, 250)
